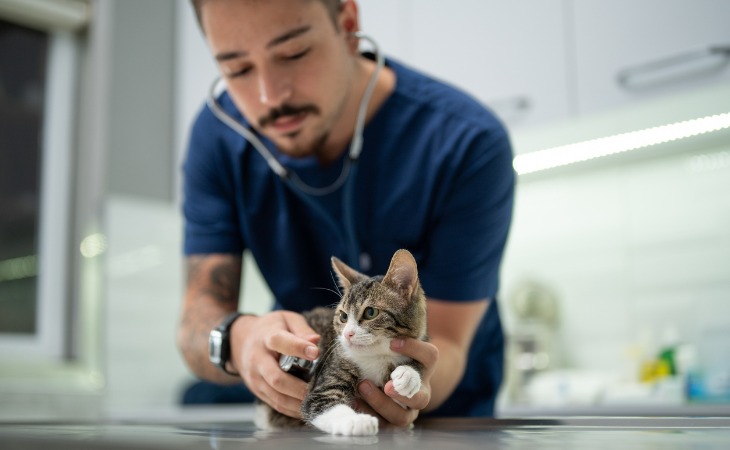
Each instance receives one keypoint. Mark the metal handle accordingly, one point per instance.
(630, 77)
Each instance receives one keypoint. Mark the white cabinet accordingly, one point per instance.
(628, 50)
(511, 55)
(537, 61)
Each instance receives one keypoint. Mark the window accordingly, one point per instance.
(38, 72)
(23, 56)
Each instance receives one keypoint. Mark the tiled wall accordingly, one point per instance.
(143, 298)
(629, 249)
(144, 293)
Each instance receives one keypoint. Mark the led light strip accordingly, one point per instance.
(582, 151)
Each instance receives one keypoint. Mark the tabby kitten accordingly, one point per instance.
(355, 345)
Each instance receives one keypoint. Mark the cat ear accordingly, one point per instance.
(402, 274)
(346, 275)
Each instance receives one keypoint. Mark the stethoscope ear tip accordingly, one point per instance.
(218, 87)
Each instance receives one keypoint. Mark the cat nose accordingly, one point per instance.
(349, 334)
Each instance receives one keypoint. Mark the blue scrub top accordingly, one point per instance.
(435, 177)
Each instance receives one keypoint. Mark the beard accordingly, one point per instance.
(300, 148)
(295, 144)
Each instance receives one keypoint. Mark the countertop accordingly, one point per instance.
(557, 433)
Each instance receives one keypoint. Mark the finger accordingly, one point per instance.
(419, 400)
(423, 352)
(280, 390)
(362, 407)
(286, 343)
(298, 325)
(286, 405)
(283, 382)
(384, 406)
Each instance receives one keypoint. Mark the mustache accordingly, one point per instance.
(286, 110)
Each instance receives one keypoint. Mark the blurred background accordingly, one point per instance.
(615, 287)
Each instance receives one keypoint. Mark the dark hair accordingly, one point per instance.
(333, 7)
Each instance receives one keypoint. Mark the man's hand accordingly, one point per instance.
(257, 343)
(383, 403)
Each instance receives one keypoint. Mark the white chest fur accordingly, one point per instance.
(371, 353)
(376, 368)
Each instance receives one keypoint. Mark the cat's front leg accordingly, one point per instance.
(345, 421)
(406, 381)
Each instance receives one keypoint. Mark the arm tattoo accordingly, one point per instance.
(218, 278)
(213, 284)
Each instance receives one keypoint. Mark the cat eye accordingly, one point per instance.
(343, 316)
(370, 313)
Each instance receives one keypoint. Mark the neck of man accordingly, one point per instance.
(337, 141)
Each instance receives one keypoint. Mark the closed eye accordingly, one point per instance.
(296, 56)
(239, 73)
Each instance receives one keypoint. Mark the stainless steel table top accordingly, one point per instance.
(563, 433)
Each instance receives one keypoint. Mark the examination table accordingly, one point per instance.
(622, 433)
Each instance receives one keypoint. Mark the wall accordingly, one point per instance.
(144, 269)
(143, 265)
(141, 98)
(628, 248)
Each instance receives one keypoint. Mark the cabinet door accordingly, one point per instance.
(628, 50)
(508, 54)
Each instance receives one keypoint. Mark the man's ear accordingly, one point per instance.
(349, 22)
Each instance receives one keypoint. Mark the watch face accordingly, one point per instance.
(215, 345)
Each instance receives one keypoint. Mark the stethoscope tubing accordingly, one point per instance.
(303, 190)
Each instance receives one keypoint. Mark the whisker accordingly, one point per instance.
(330, 290)
(329, 351)
(335, 282)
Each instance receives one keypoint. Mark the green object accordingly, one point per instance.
(668, 356)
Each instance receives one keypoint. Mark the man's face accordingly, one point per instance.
(286, 65)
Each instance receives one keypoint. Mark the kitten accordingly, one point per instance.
(355, 345)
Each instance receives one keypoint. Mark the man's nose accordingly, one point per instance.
(274, 88)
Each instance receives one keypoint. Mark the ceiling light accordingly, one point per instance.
(582, 151)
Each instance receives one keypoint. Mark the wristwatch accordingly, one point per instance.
(219, 345)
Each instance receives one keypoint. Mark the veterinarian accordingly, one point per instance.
(432, 174)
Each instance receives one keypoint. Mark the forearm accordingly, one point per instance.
(211, 294)
(451, 327)
(449, 371)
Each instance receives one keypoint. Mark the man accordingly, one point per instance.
(434, 176)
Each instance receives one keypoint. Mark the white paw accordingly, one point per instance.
(406, 381)
(344, 421)
(262, 416)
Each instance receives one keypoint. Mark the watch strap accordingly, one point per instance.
(220, 344)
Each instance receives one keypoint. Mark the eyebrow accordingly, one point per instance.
(225, 56)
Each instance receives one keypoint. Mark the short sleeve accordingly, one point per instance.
(467, 240)
(209, 207)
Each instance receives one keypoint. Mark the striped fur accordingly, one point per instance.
(355, 345)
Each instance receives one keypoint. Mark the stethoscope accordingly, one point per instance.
(349, 168)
